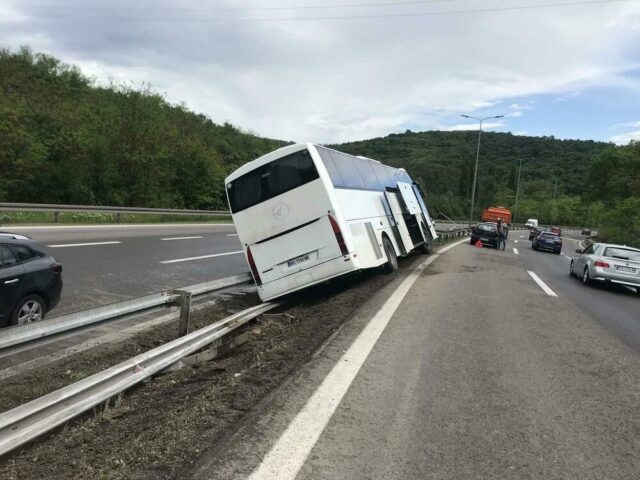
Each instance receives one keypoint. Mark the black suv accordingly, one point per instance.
(30, 280)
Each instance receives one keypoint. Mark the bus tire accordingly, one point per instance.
(392, 259)
(426, 247)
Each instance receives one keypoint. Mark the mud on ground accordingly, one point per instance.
(155, 430)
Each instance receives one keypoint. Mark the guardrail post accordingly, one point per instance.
(56, 217)
(184, 301)
(117, 217)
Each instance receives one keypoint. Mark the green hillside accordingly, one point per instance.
(64, 139)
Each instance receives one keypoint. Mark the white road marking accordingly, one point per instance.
(119, 225)
(521, 236)
(290, 452)
(178, 260)
(232, 234)
(541, 284)
(515, 250)
(82, 244)
(515, 241)
(180, 238)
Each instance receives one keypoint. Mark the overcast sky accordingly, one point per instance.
(295, 70)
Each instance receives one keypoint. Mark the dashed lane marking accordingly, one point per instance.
(291, 450)
(515, 250)
(82, 244)
(541, 284)
(201, 257)
(232, 234)
(515, 241)
(180, 238)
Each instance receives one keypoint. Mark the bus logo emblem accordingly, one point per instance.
(280, 211)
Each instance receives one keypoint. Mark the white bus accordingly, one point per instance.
(306, 213)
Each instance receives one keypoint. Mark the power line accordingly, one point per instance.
(245, 9)
(341, 17)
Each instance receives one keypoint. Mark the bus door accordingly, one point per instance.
(394, 212)
(413, 197)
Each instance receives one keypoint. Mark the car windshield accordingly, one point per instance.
(622, 253)
(486, 227)
(549, 236)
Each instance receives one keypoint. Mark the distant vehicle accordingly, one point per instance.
(586, 232)
(535, 231)
(607, 263)
(492, 214)
(548, 241)
(306, 213)
(532, 222)
(487, 233)
(556, 230)
(30, 280)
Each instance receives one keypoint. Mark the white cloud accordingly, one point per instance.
(331, 81)
(473, 126)
(629, 124)
(625, 138)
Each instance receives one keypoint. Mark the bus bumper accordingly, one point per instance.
(307, 277)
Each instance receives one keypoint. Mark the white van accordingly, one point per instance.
(532, 222)
(306, 213)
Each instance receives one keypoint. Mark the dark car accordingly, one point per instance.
(548, 241)
(556, 230)
(487, 233)
(535, 231)
(30, 280)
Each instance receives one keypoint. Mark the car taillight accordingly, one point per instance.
(338, 234)
(598, 263)
(56, 267)
(254, 269)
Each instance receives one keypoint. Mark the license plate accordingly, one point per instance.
(297, 261)
(625, 269)
(484, 239)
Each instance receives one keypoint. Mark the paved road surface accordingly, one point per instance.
(106, 272)
(479, 373)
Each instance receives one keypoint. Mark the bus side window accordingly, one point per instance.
(348, 170)
(332, 168)
(383, 175)
(367, 173)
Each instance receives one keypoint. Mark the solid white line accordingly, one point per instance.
(515, 250)
(82, 244)
(180, 238)
(178, 260)
(120, 225)
(541, 284)
(290, 452)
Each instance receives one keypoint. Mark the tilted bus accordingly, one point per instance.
(306, 213)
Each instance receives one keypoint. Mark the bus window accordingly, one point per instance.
(332, 168)
(383, 175)
(368, 174)
(270, 180)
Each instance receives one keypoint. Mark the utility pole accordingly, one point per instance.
(555, 190)
(475, 172)
(515, 212)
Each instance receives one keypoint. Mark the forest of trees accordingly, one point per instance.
(64, 139)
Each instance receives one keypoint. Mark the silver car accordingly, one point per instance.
(605, 262)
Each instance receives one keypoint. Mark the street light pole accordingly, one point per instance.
(515, 212)
(475, 172)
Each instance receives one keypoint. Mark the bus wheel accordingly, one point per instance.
(425, 247)
(392, 259)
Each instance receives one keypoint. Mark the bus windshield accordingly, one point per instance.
(271, 179)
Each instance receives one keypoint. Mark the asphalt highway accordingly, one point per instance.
(486, 364)
(104, 264)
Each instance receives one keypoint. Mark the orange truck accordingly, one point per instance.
(492, 214)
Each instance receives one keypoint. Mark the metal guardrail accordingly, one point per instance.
(26, 422)
(56, 209)
(19, 334)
